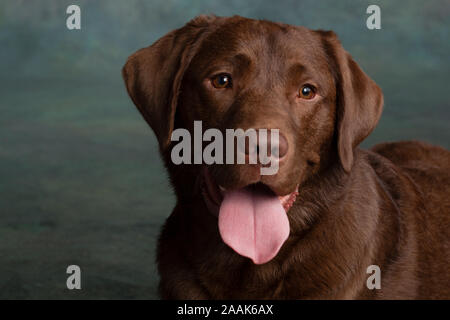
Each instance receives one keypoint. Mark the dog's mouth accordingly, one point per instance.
(252, 220)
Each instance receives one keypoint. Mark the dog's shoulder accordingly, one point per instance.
(428, 166)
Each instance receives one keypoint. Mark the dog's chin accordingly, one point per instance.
(213, 193)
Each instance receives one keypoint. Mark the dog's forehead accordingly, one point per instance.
(261, 41)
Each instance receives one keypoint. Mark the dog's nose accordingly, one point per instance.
(270, 146)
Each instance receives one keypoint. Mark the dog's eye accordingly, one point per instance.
(221, 81)
(307, 92)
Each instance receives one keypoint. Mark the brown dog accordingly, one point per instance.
(346, 208)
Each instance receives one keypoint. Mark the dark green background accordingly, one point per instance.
(81, 181)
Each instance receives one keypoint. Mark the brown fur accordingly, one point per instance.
(387, 207)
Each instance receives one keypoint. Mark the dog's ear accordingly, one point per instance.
(153, 75)
(359, 100)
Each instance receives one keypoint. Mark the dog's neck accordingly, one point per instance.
(317, 195)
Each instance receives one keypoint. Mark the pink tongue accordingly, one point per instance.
(253, 223)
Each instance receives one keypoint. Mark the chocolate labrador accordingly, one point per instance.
(331, 214)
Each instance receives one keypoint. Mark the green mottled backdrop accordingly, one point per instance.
(81, 181)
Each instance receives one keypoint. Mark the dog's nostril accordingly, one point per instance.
(283, 146)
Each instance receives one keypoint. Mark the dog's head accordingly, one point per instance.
(238, 73)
